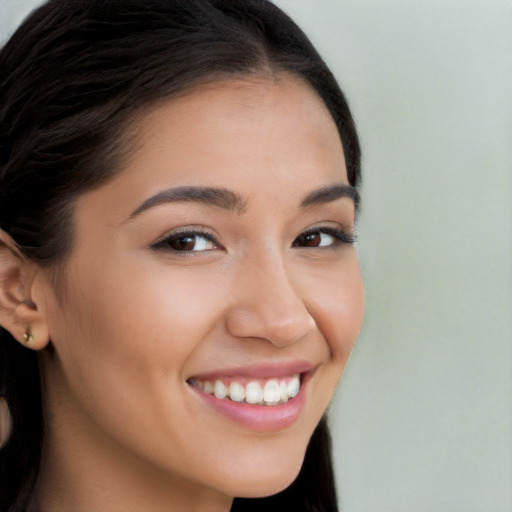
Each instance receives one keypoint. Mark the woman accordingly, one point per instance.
(180, 288)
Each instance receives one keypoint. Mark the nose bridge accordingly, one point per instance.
(268, 304)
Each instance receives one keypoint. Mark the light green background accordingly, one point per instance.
(423, 418)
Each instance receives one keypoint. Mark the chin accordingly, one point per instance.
(264, 489)
(265, 480)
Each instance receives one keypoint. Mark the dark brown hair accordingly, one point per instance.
(71, 79)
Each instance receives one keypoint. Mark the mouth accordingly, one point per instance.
(267, 392)
(263, 399)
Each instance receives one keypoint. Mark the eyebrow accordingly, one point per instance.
(331, 193)
(220, 197)
(228, 200)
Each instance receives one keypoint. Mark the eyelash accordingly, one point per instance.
(164, 244)
(340, 237)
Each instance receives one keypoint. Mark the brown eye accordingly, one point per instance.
(183, 243)
(323, 237)
(309, 239)
(187, 243)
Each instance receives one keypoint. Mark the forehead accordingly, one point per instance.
(272, 118)
(257, 137)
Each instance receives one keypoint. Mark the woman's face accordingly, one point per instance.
(220, 257)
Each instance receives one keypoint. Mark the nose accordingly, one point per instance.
(267, 306)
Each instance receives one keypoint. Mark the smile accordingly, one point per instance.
(267, 392)
(262, 398)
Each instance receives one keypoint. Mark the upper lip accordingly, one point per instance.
(260, 370)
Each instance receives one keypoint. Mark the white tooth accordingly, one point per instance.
(271, 391)
(283, 392)
(220, 390)
(208, 388)
(236, 392)
(253, 393)
(293, 386)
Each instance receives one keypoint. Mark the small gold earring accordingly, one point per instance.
(29, 338)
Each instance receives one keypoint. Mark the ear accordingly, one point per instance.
(18, 313)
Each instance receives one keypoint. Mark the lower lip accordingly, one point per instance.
(259, 418)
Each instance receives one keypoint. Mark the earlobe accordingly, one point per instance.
(35, 335)
(18, 313)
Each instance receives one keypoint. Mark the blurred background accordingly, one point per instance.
(422, 421)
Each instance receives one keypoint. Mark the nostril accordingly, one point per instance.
(277, 325)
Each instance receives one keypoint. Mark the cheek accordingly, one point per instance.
(123, 341)
(338, 307)
(138, 301)
(130, 328)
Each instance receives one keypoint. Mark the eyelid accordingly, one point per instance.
(341, 236)
(201, 232)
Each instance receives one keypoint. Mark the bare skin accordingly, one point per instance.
(265, 282)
